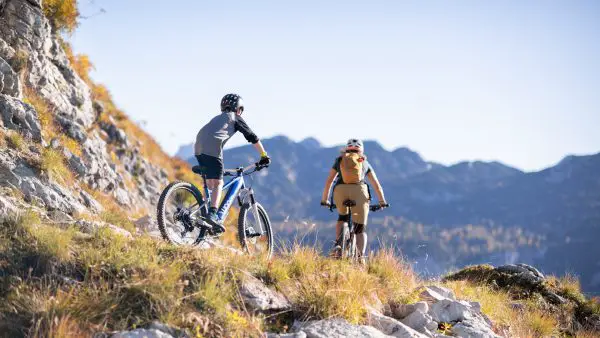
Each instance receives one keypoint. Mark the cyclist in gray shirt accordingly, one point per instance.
(209, 148)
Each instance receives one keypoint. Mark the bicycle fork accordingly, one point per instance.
(247, 197)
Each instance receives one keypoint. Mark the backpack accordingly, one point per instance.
(351, 168)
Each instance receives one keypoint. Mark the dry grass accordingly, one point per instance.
(71, 144)
(567, 286)
(53, 163)
(44, 111)
(124, 283)
(62, 14)
(82, 65)
(16, 140)
(534, 321)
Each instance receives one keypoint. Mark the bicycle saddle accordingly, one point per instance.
(349, 203)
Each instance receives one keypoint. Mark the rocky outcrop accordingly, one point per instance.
(521, 278)
(153, 330)
(21, 117)
(32, 56)
(440, 306)
(337, 328)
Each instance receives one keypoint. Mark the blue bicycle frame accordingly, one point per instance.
(236, 187)
(232, 187)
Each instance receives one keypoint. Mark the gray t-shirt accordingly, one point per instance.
(213, 136)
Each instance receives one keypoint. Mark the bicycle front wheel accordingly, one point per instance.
(249, 231)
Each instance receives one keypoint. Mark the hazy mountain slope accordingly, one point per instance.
(293, 185)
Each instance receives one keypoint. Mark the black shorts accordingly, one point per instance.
(212, 166)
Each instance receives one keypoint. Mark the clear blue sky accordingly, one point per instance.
(515, 81)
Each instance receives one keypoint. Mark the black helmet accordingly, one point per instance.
(231, 102)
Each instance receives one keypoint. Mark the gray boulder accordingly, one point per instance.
(9, 80)
(473, 328)
(153, 330)
(21, 117)
(338, 328)
(400, 311)
(420, 321)
(448, 310)
(391, 326)
(7, 209)
(258, 297)
(431, 296)
(142, 333)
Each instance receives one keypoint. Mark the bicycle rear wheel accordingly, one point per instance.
(179, 204)
(250, 239)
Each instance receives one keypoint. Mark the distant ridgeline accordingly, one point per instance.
(469, 212)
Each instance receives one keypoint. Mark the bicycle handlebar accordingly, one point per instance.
(244, 170)
(372, 207)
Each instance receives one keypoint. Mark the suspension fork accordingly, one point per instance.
(256, 212)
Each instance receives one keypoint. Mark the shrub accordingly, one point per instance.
(16, 141)
(44, 112)
(72, 145)
(53, 163)
(62, 14)
(82, 65)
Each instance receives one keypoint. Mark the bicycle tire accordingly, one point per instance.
(264, 220)
(352, 250)
(164, 197)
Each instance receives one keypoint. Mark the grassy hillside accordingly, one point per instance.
(59, 282)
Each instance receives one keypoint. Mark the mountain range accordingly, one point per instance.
(561, 203)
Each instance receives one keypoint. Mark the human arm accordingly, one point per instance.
(249, 135)
(242, 127)
(328, 182)
(378, 189)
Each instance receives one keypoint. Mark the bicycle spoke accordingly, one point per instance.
(179, 226)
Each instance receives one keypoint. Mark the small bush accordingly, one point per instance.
(116, 216)
(566, 286)
(53, 163)
(395, 275)
(62, 14)
(53, 241)
(44, 112)
(82, 65)
(72, 145)
(16, 141)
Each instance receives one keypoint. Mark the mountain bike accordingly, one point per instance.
(347, 239)
(183, 212)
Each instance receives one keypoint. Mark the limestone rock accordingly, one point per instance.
(445, 292)
(7, 209)
(391, 326)
(338, 328)
(473, 328)
(420, 321)
(9, 80)
(400, 311)
(259, 297)
(447, 310)
(431, 296)
(21, 117)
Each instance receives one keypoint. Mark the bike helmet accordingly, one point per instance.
(231, 102)
(354, 143)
